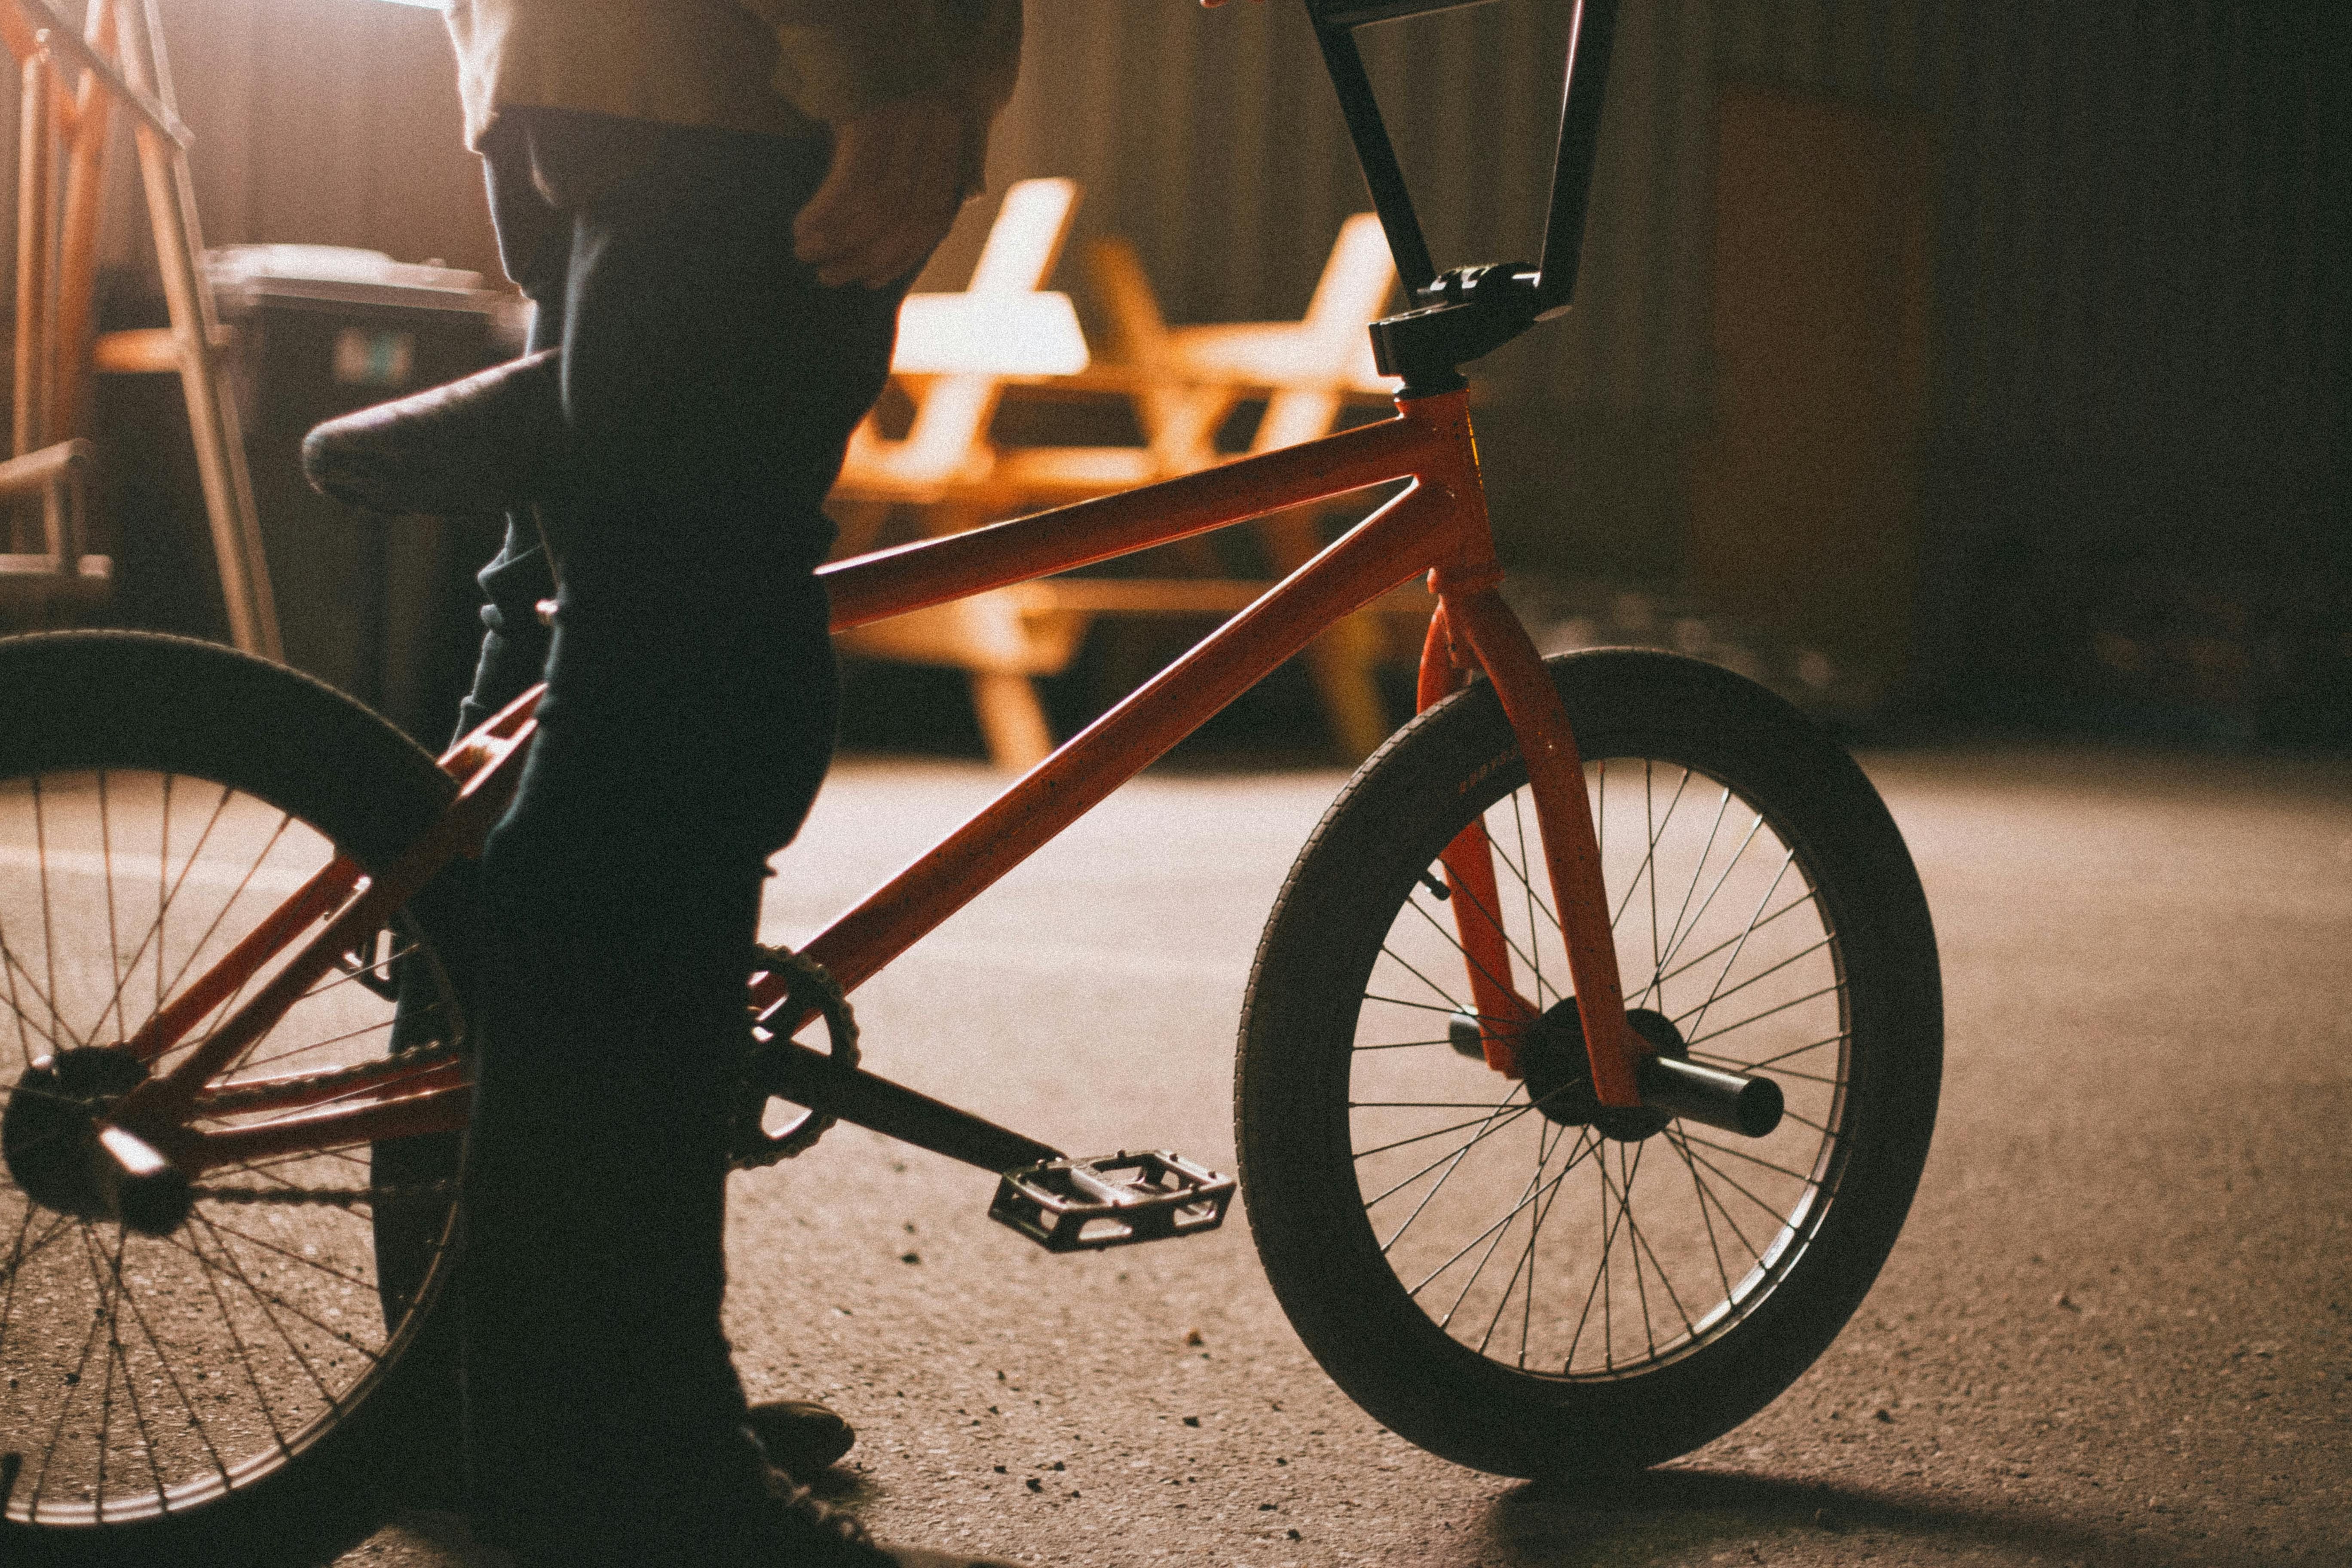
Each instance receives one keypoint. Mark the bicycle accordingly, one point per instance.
(228, 1210)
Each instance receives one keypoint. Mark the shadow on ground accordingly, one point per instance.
(1675, 1515)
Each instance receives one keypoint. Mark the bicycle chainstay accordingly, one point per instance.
(228, 1101)
(750, 1148)
(809, 984)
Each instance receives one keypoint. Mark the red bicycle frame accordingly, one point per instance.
(1435, 526)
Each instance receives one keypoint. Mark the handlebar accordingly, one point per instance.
(1503, 300)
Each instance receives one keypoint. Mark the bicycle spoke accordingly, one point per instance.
(1803, 1120)
(15, 970)
(1363, 1154)
(285, 821)
(195, 1420)
(1527, 1256)
(168, 896)
(48, 920)
(1441, 991)
(1724, 1177)
(1805, 901)
(266, 1167)
(1697, 916)
(309, 1263)
(1681, 1146)
(347, 977)
(1698, 1192)
(1524, 876)
(1632, 1233)
(264, 1300)
(1526, 1263)
(1543, 1140)
(1654, 830)
(1457, 1158)
(162, 898)
(1513, 1213)
(1509, 943)
(1840, 1039)
(8, 967)
(1642, 1245)
(1520, 829)
(1599, 1288)
(1830, 989)
(1675, 929)
(1492, 1127)
(73, 1381)
(1796, 957)
(1433, 1007)
(251, 1063)
(1738, 1066)
(1787, 861)
(108, 1286)
(211, 1277)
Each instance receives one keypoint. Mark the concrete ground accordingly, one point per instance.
(2118, 1330)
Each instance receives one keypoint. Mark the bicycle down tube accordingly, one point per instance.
(1435, 525)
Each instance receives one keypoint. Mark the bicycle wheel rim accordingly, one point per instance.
(1552, 1246)
(147, 1376)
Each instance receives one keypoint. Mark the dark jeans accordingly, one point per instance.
(709, 386)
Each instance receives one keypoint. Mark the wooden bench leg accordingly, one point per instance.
(1341, 662)
(1012, 720)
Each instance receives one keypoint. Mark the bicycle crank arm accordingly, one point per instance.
(790, 1070)
(1733, 1102)
(1061, 1204)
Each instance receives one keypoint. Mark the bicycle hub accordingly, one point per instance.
(50, 1140)
(1558, 1075)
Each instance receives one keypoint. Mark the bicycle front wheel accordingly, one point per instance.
(1504, 1279)
(157, 798)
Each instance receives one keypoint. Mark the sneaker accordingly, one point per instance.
(477, 445)
(801, 1436)
(761, 1519)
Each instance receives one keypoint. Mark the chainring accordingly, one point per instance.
(749, 1145)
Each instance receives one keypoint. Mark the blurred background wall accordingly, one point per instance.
(1998, 348)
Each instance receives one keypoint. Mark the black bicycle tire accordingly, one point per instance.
(1297, 1040)
(132, 701)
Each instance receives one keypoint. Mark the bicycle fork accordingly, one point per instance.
(1472, 631)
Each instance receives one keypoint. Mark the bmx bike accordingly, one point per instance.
(1587, 1067)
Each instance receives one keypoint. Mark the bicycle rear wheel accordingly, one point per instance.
(1501, 1277)
(157, 798)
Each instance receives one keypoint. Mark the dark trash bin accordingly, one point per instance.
(383, 608)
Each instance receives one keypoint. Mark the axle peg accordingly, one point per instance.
(1733, 1102)
(149, 1193)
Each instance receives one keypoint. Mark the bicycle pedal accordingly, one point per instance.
(1112, 1200)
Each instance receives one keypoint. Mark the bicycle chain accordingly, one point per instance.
(330, 1197)
(750, 1146)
